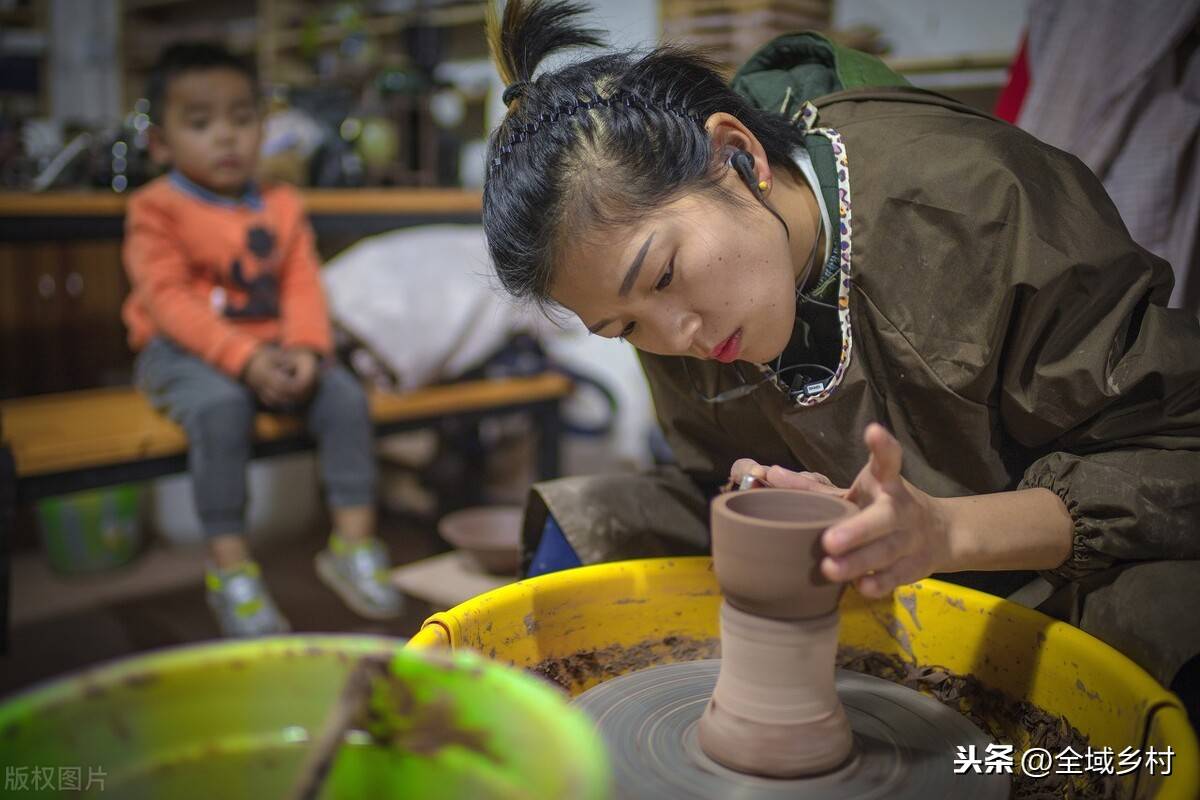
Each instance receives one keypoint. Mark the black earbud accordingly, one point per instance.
(743, 164)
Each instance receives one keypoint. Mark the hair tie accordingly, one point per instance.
(514, 91)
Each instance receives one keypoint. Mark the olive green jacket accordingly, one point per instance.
(1005, 328)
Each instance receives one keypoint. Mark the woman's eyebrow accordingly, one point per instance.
(631, 276)
(636, 267)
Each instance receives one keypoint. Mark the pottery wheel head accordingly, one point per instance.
(904, 742)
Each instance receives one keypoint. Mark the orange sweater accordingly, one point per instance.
(220, 277)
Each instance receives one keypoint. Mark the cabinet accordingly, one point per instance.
(62, 283)
(60, 326)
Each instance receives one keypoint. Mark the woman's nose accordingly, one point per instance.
(684, 327)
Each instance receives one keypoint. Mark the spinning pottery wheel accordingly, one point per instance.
(593, 625)
(772, 717)
(904, 742)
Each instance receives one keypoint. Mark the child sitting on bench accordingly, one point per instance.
(228, 314)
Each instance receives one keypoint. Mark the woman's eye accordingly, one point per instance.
(627, 330)
(665, 280)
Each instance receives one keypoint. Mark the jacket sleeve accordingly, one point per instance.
(303, 312)
(158, 271)
(1101, 381)
(663, 511)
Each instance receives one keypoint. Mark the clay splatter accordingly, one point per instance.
(1004, 718)
(909, 601)
(892, 625)
(572, 672)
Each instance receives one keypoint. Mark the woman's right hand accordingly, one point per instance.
(781, 478)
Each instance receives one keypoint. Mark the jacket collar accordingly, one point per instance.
(250, 197)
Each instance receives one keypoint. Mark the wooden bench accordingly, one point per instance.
(61, 443)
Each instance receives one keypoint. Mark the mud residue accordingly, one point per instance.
(956, 602)
(887, 620)
(396, 719)
(909, 601)
(1004, 718)
(572, 672)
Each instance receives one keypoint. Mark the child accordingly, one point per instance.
(228, 316)
(818, 248)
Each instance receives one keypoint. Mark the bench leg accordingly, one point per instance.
(548, 420)
(8, 519)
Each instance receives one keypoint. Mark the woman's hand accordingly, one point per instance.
(781, 478)
(900, 535)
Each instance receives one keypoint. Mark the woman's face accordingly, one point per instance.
(702, 278)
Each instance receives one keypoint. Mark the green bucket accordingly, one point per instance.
(234, 719)
(91, 531)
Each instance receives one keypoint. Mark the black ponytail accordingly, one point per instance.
(598, 143)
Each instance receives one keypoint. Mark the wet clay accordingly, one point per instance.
(775, 711)
(767, 552)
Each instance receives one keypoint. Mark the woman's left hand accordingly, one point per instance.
(900, 535)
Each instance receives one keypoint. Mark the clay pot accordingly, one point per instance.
(767, 552)
(775, 711)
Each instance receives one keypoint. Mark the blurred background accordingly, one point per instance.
(387, 94)
(396, 92)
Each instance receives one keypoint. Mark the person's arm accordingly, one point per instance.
(159, 273)
(902, 534)
(1025, 529)
(1101, 381)
(1097, 393)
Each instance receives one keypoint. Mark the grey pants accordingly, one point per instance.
(217, 412)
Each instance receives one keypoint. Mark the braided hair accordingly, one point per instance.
(599, 143)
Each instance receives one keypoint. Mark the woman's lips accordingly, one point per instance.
(727, 351)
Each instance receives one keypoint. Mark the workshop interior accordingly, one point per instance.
(600, 399)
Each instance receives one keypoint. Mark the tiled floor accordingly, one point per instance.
(43, 647)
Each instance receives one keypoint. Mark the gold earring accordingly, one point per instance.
(763, 185)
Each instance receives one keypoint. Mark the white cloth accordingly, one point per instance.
(426, 303)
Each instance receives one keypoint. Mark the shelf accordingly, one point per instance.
(393, 23)
(316, 201)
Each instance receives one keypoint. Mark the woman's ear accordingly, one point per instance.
(728, 135)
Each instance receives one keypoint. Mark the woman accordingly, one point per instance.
(823, 268)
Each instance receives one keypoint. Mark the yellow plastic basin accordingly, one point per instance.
(638, 613)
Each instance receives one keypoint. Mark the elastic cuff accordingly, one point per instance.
(1084, 559)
